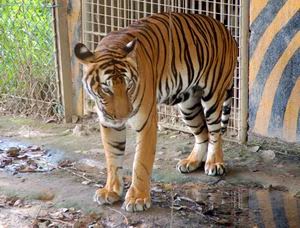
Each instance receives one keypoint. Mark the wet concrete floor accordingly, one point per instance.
(254, 193)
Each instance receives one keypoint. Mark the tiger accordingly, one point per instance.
(166, 58)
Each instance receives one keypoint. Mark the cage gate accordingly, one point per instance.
(103, 16)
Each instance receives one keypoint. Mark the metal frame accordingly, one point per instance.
(63, 57)
(244, 71)
(102, 16)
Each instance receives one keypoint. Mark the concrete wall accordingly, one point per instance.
(274, 68)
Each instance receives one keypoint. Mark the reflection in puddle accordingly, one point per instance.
(274, 209)
(241, 206)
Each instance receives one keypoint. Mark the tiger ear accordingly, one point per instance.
(84, 55)
(130, 48)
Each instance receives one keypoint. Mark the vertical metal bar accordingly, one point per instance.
(112, 15)
(151, 6)
(105, 17)
(207, 8)
(84, 20)
(222, 11)
(63, 56)
(86, 38)
(228, 15)
(138, 8)
(172, 5)
(131, 11)
(98, 16)
(92, 24)
(214, 9)
(158, 6)
(125, 13)
(244, 64)
(234, 102)
(57, 81)
(193, 6)
(118, 14)
(238, 76)
(200, 6)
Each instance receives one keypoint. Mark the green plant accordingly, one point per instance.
(26, 45)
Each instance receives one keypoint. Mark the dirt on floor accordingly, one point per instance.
(49, 173)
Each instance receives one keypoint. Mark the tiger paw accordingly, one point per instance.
(187, 165)
(104, 196)
(214, 169)
(136, 200)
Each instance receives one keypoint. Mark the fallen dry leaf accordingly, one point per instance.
(12, 151)
(46, 196)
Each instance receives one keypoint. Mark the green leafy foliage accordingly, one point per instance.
(26, 43)
(28, 81)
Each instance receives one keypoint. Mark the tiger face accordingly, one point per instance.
(111, 81)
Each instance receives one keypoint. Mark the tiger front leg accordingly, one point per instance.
(114, 146)
(138, 195)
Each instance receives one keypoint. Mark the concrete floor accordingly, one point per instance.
(261, 187)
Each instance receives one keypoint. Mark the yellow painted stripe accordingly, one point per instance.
(291, 210)
(266, 103)
(283, 16)
(255, 8)
(266, 212)
(291, 114)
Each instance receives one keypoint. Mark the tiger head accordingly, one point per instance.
(111, 80)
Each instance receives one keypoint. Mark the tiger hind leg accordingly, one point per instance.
(226, 110)
(216, 113)
(192, 114)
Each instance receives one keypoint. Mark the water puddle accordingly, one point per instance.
(274, 209)
(230, 205)
(16, 157)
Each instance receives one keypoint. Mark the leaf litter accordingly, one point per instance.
(25, 159)
(212, 205)
(48, 216)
